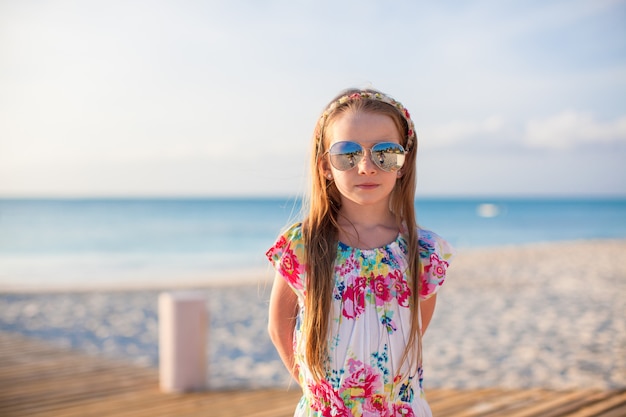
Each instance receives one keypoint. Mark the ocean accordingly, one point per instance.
(122, 243)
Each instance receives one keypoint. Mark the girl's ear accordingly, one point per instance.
(324, 167)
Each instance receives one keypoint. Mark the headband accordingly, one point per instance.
(369, 95)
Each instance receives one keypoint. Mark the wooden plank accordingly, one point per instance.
(615, 401)
(575, 405)
(558, 405)
(460, 401)
(620, 411)
(38, 380)
(501, 404)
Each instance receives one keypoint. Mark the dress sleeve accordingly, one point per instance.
(287, 258)
(435, 256)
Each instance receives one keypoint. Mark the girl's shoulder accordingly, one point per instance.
(435, 255)
(292, 235)
(431, 243)
(287, 256)
(290, 242)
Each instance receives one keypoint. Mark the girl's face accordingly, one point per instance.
(365, 184)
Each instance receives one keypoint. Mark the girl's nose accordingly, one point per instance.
(366, 166)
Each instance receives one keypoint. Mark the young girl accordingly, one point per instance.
(356, 280)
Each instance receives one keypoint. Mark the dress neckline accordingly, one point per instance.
(395, 242)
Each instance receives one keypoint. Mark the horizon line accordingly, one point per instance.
(522, 196)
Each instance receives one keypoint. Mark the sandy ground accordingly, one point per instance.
(549, 315)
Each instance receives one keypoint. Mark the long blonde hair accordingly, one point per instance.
(320, 227)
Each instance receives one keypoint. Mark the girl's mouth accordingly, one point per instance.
(367, 186)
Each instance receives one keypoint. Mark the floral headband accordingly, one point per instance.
(369, 95)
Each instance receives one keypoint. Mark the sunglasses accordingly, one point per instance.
(387, 156)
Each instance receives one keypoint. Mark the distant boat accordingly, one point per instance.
(487, 210)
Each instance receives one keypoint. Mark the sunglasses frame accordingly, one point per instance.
(362, 150)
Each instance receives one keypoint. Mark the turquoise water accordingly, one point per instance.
(113, 242)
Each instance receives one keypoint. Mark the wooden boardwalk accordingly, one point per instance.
(39, 380)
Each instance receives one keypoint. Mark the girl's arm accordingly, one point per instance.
(427, 308)
(282, 321)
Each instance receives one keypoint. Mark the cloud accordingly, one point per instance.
(570, 129)
(566, 130)
(464, 131)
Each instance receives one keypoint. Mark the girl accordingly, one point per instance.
(356, 280)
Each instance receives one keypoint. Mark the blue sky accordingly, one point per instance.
(194, 98)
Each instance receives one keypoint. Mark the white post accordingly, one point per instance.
(182, 342)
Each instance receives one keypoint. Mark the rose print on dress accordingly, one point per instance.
(437, 266)
(327, 401)
(403, 410)
(436, 271)
(354, 299)
(376, 406)
(380, 288)
(402, 292)
(360, 390)
(361, 383)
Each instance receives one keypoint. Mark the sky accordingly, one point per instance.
(219, 98)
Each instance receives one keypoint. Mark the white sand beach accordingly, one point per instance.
(547, 315)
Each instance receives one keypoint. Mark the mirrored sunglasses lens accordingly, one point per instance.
(388, 156)
(345, 155)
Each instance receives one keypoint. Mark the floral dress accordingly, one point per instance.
(369, 326)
